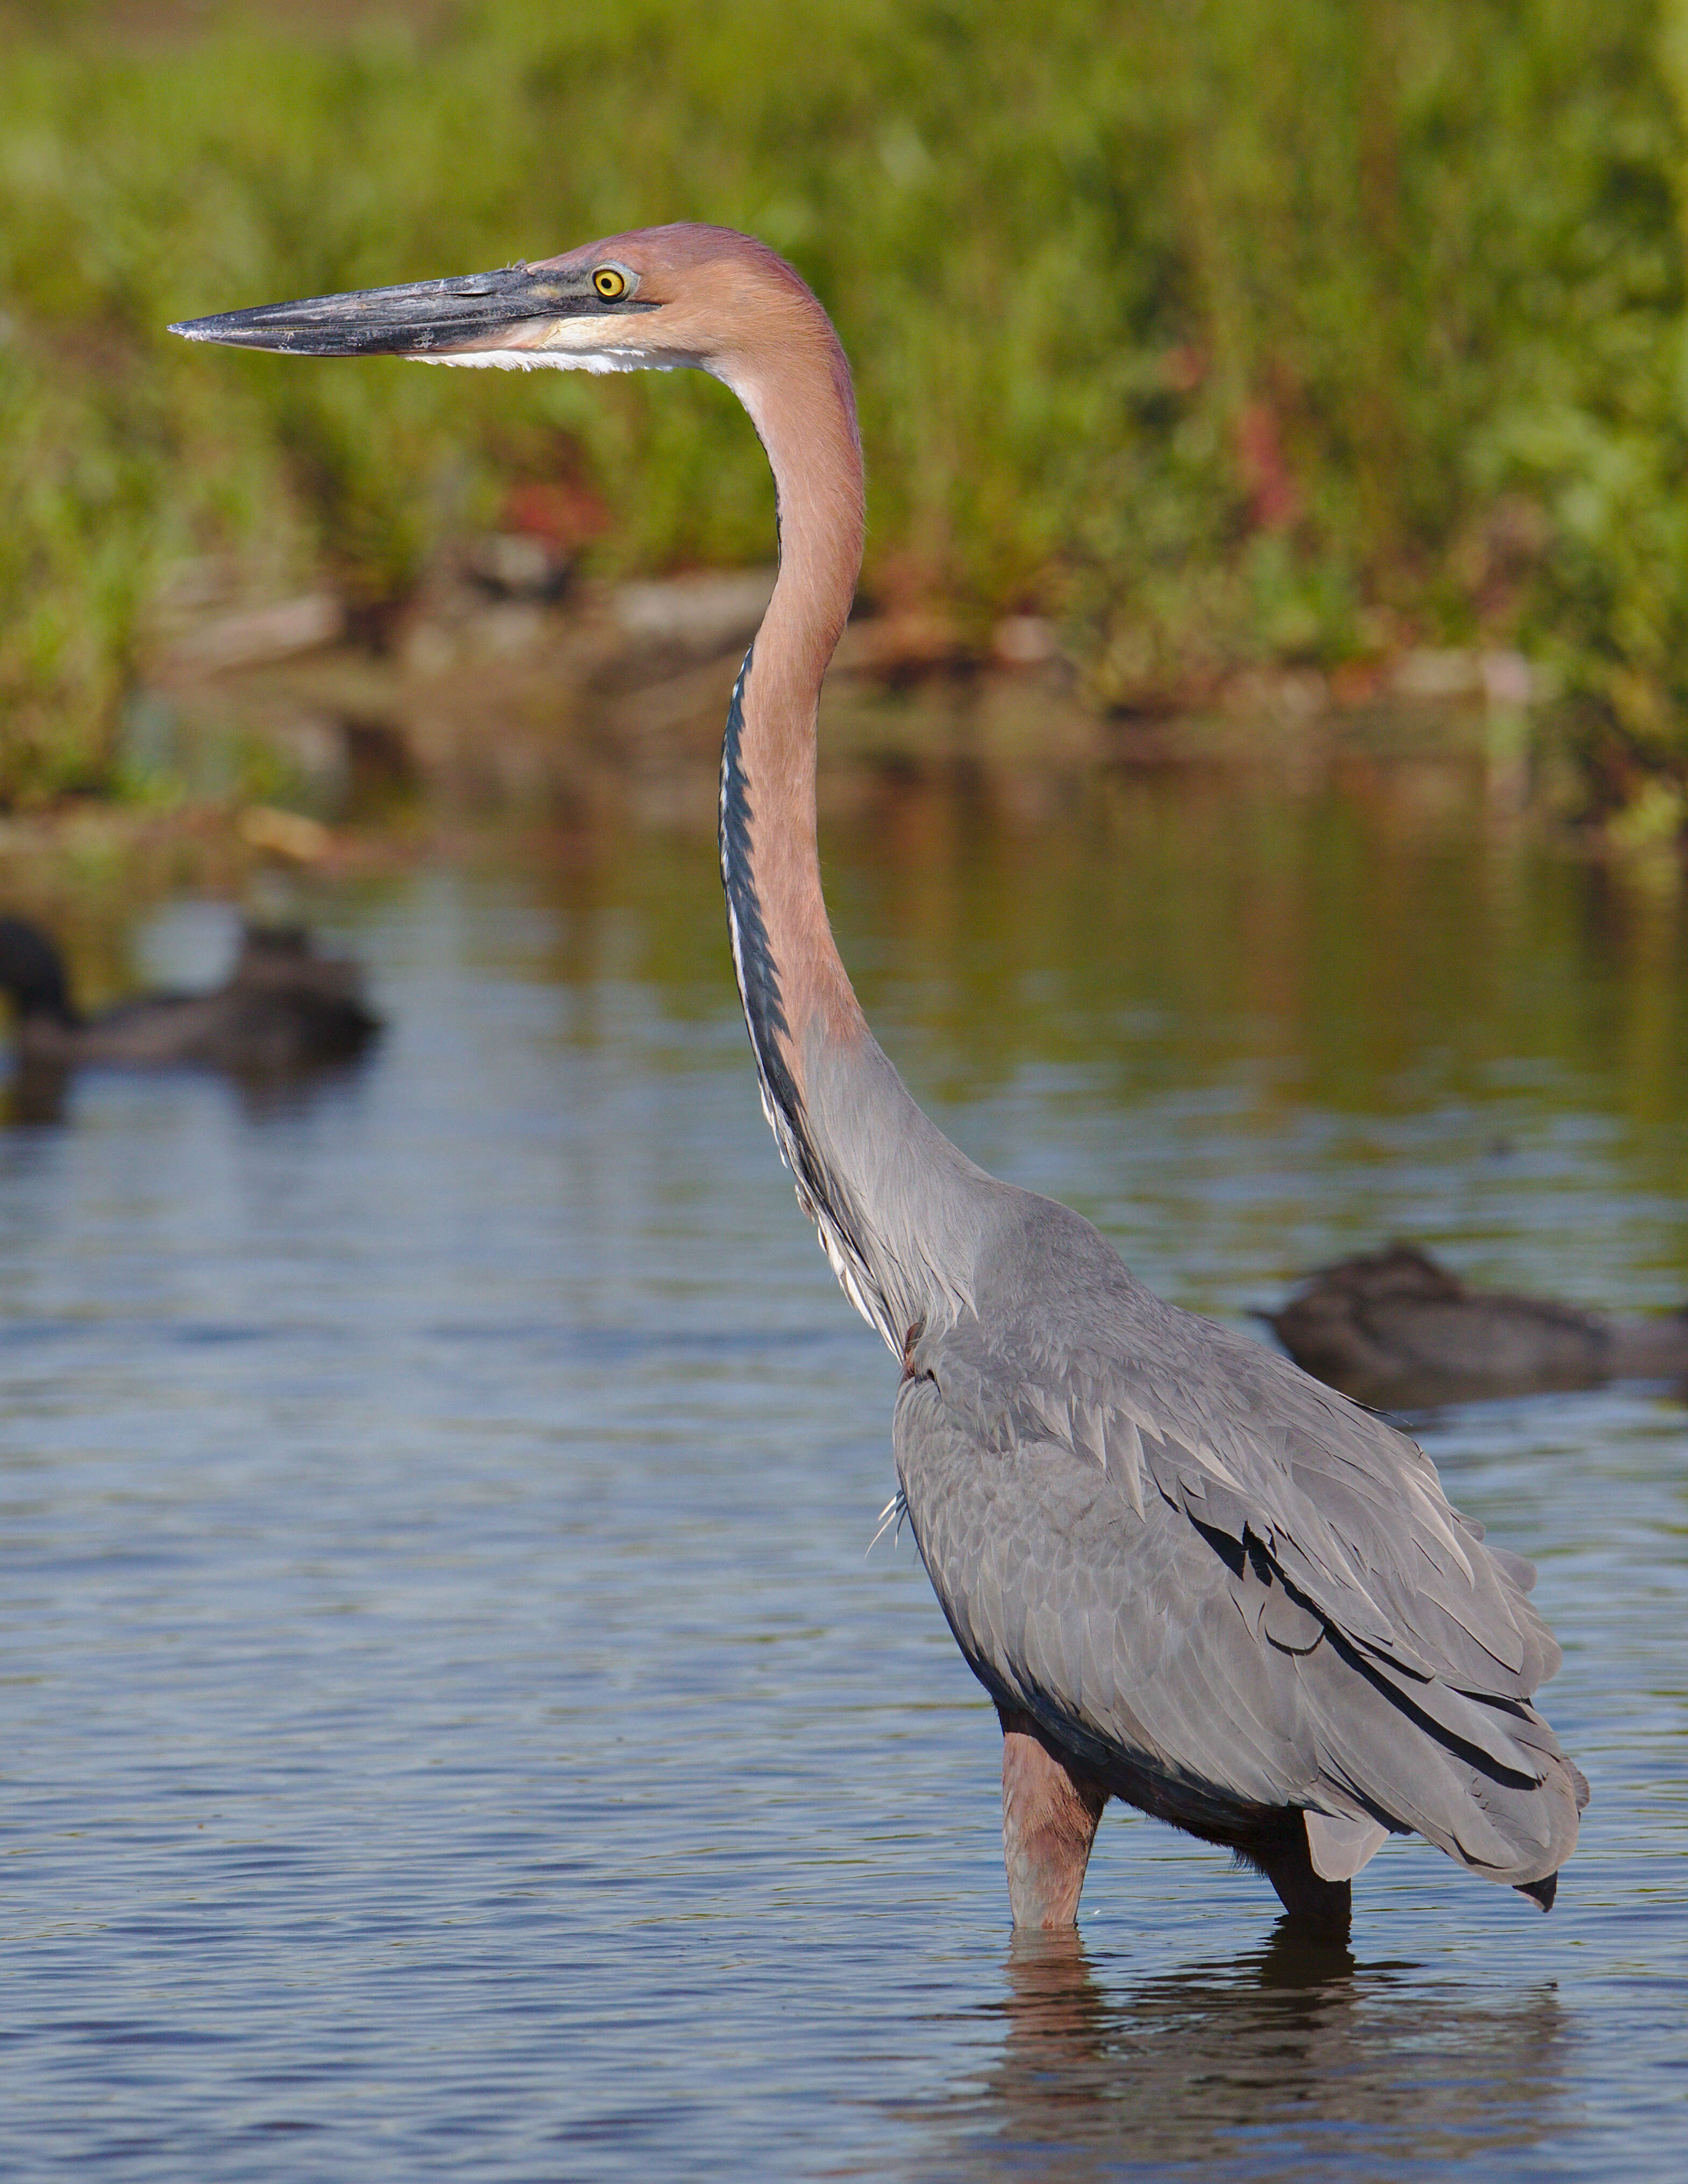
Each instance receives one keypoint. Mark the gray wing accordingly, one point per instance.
(1178, 1551)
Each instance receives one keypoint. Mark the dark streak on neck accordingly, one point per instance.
(758, 974)
(821, 1191)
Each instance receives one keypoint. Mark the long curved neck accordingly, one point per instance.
(897, 1206)
(793, 983)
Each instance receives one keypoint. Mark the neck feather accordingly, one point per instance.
(895, 1204)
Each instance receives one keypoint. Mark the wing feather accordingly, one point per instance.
(1194, 1564)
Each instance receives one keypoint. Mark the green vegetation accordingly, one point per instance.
(1224, 332)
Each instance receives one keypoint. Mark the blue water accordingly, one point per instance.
(452, 1721)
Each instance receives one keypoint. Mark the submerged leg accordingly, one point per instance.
(1050, 1813)
(1310, 1901)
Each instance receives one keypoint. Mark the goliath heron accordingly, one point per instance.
(1187, 1575)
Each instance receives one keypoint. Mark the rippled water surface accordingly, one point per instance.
(452, 1723)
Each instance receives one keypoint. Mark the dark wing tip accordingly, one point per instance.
(1540, 1892)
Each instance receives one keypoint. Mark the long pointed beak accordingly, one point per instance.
(427, 318)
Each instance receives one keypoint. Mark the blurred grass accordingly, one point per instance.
(1226, 333)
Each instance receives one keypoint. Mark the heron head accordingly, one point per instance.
(649, 300)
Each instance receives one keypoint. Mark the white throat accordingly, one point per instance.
(590, 344)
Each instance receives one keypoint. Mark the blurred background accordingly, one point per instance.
(1322, 353)
(447, 1724)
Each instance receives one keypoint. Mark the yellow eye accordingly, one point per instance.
(610, 284)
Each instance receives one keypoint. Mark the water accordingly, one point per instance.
(451, 1723)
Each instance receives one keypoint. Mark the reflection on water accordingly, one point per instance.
(35, 1092)
(1288, 2060)
(450, 1722)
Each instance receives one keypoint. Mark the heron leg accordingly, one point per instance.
(1051, 1809)
(1309, 1899)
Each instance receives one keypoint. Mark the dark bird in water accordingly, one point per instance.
(1187, 1575)
(1395, 1328)
(282, 1010)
